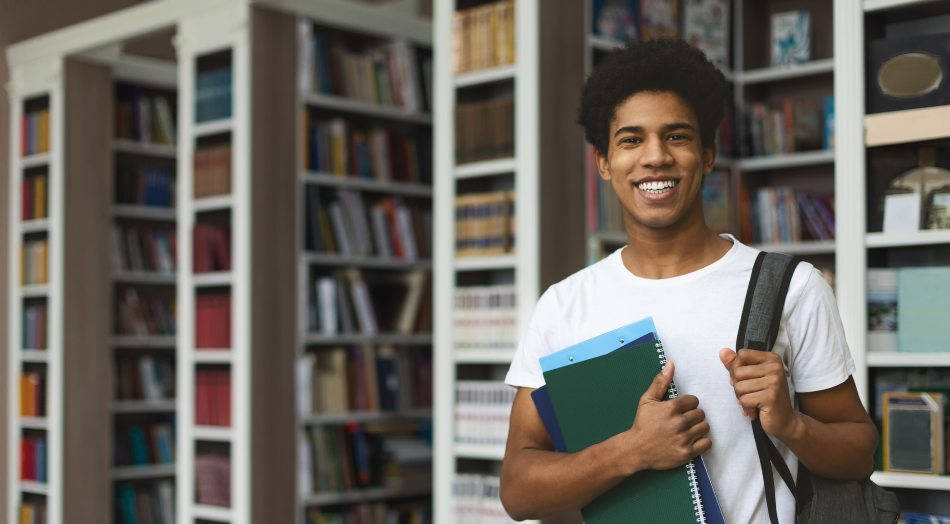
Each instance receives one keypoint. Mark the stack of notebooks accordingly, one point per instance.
(590, 395)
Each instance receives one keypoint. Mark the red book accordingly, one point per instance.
(28, 459)
(201, 411)
(201, 260)
(224, 398)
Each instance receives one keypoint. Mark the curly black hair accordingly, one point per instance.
(663, 64)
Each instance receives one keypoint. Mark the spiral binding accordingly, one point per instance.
(698, 509)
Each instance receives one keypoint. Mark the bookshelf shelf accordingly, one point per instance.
(914, 238)
(143, 212)
(486, 263)
(213, 279)
(213, 127)
(34, 423)
(888, 479)
(486, 76)
(601, 43)
(35, 290)
(609, 237)
(144, 148)
(339, 103)
(900, 359)
(322, 419)
(215, 513)
(214, 203)
(812, 247)
(774, 74)
(365, 495)
(334, 259)
(881, 5)
(37, 160)
(380, 186)
(143, 406)
(787, 160)
(213, 356)
(34, 355)
(484, 356)
(479, 451)
(212, 433)
(143, 277)
(500, 166)
(36, 488)
(912, 125)
(152, 471)
(419, 339)
(144, 341)
(34, 226)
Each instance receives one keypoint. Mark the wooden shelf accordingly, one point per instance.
(151, 471)
(810, 247)
(39, 159)
(143, 148)
(348, 105)
(135, 211)
(363, 184)
(143, 277)
(414, 339)
(486, 76)
(912, 125)
(775, 74)
(484, 356)
(913, 238)
(888, 479)
(500, 166)
(786, 160)
(213, 127)
(326, 419)
(143, 406)
(335, 259)
(365, 495)
(485, 263)
(908, 359)
(144, 341)
(479, 451)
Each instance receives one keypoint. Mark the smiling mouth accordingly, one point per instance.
(657, 187)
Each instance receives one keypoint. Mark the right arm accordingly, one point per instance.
(537, 481)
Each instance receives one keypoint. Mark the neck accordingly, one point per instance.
(676, 250)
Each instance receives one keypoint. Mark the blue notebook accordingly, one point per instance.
(625, 337)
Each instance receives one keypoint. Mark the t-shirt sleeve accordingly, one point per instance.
(820, 358)
(525, 370)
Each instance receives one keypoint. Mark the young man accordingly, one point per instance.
(651, 112)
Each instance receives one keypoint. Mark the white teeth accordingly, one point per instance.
(656, 186)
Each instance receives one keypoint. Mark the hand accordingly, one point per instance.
(667, 433)
(758, 378)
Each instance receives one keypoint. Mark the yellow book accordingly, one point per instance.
(39, 197)
(510, 31)
(23, 267)
(26, 514)
(458, 29)
(43, 137)
(42, 262)
(27, 399)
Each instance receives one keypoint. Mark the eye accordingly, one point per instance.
(676, 137)
(630, 140)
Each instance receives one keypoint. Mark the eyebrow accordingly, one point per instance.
(666, 128)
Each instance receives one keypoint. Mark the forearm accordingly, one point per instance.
(536, 482)
(835, 450)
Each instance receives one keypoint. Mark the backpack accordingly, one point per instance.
(817, 499)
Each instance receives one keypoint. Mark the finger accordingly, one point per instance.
(753, 356)
(693, 417)
(698, 431)
(751, 371)
(685, 403)
(727, 357)
(701, 446)
(752, 385)
(660, 384)
(754, 400)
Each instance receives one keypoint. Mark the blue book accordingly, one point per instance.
(138, 445)
(923, 299)
(41, 460)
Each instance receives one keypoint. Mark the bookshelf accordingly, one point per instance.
(548, 229)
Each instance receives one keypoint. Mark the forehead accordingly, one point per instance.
(652, 108)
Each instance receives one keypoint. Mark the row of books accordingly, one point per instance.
(212, 170)
(33, 262)
(482, 409)
(34, 325)
(136, 445)
(387, 74)
(212, 320)
(34, 132)
(389, 227)
(212, 247)
(213, 397)
(364, 378)
(604, 212)
(485, 223)
(373, 454)
(346, 302)
(484, 129)
(484, 36)
(33, 458)
(144, 116)
(33, 197)
(32, 512)
(476, 499)
(138, 247)
(152, 503)
(145, 377)
(792, 124)
(378, 512)
(345, 148)
(148, 314)
(145, 186)
(485, 317)
(212, 478)
(213, 94)
(32, 394)
(906, 308)
(782, 214)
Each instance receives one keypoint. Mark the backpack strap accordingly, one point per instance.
(758, 328)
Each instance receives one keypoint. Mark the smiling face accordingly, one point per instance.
(655, 160)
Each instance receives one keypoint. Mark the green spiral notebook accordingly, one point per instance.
(596, 399)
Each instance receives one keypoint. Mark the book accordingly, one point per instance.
(882, 309)
(615, 19)
(923, 298)
(913, 432)
(659, 19)
(791, 37)
(706, 27)
(716, 201)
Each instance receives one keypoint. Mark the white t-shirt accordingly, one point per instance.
(696, 315)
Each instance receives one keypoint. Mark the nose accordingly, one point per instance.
(654, 153)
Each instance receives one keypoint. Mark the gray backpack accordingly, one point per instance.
(817, 499)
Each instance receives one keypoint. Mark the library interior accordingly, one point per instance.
(269, 261)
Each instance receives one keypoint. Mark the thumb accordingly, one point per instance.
(727, 356)
(660, 384)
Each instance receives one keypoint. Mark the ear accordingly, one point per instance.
(603, 165)
(709, 157)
